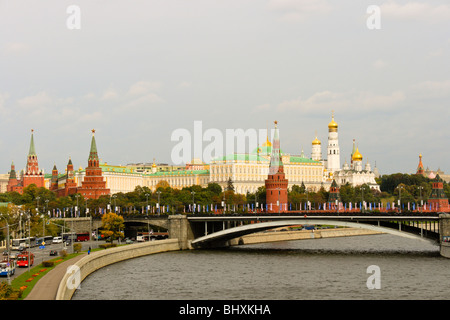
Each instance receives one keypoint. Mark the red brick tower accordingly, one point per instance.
(420, 169)
(437, 198)
(13, 182)
(71, 185)
(93, 185)
(32, 173)
(276, 183)
(54, 181)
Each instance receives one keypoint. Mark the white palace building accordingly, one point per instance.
(247, 171)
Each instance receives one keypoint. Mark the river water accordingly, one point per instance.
(314, 269)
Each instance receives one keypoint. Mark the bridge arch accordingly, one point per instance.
(225, 235)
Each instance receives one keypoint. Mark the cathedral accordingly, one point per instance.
(355, 173)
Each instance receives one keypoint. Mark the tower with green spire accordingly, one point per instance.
(93, 185)
(276, 183)
(32, 174)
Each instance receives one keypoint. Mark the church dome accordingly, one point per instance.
(316, 141)
(357, 156)
(332, 124)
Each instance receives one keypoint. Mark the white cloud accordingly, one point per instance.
(16, 48)
(144, 87)
(416, 11)
(325, 101)
(109, 94)
(432, 89)
(142, 102)
(261, 107)
(299, 10)
(379, 64)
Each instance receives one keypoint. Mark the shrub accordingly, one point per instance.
(7, 292)
(63, 253)
(48, 263)
(108, 245)
(77, 247)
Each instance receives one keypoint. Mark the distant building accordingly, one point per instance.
(430, 173)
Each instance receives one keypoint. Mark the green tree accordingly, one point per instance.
(111, 226)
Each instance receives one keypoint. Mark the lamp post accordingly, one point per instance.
(159, 206)
(421, 200)
(193, 202)
(223, 202)
(400, 187)
(147, 195)
(37, 206)
(362, 198)
(278, 202)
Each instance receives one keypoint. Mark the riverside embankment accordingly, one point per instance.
(273, 236)
(69, 279)
(99, 259)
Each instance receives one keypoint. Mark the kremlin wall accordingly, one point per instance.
(266, 166)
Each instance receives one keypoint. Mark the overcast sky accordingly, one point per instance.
(137, 70)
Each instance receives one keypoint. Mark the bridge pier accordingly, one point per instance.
(444, 234)
(180, 228)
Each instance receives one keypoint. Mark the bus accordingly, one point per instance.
(22, 259)
(84, 236)
(69, 236)
(22, 243)
(48, 240)
(19, 243)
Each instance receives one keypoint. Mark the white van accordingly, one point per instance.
(57, 240)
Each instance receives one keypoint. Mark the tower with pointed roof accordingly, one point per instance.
(316, 152)
(420, 169)
(437, 198)
(32, 174)
(93, 185)
(276, 182)
(13, 182)
(334, 194)
(333, 156)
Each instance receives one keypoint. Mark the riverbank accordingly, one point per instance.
(281, 235)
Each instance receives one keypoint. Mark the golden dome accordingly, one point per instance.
(267, 143)
(316, 141)
(357, 156)
(332, 124)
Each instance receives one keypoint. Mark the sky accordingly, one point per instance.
(138, 70)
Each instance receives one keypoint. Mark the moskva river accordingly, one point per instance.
(332, 268)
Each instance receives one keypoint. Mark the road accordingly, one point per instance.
(41, 255)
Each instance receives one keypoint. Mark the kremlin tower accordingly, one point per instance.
(32, 174)
(93, 185)
(276, 183)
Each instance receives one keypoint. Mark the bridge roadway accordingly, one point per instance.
(416, 226)
(212, 230)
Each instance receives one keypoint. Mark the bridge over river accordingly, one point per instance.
(216, 230)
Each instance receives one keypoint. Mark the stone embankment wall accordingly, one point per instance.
(99, 259)
(272, 236)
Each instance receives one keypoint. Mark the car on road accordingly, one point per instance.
(53, 253)
(57, 240)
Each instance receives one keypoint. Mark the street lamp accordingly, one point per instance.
(37, 207)
(159, 206)
(400, 187)
(193, 202)
(147, 195)
(278, 202)
(421, 200)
